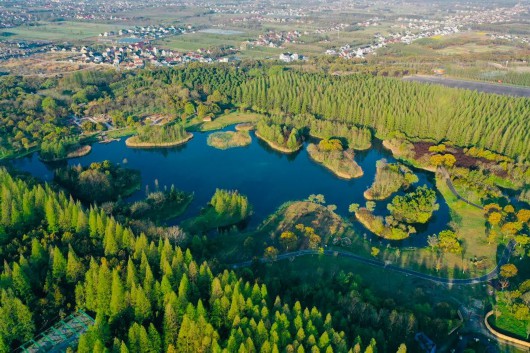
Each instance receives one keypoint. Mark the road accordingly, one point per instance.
(449, 183)
(377, 263)
(503, 89)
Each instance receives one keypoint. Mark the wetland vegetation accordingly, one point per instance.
(229, 139)
(119, 248)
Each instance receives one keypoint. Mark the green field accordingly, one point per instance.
(59, 31)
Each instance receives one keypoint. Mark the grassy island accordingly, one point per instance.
(279, 137)
(224, 209)
(159, 136)
(80, 151)
(380, 227)
(229, 139)
(330, 154)
(160, 205)
(389, 178)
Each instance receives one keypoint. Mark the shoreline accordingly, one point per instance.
(79, 152)
(133, 144)
(387, 145)
(368, 225)
(311, 134)
(337, 173)
(245, 127)
(368, 196)
(276, 146)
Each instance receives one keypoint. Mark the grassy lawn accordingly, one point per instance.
(508, 323)
(229, 119)
(60, 31)
(471, 226)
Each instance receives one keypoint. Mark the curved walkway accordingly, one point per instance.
(503, 337)
(449, 183)
(373, 262)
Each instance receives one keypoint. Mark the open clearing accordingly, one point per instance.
(59, 31)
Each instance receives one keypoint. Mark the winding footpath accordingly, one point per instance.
(451, 187)
(377, 263)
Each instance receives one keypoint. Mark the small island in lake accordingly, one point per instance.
(229, 139)
(226, 208)
(389, 178)
(98, 182)
(159, 136)
(331, 155)
(414, 207)
(279, 137)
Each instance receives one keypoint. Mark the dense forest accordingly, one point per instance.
(146, 295)
(355, 103)
(279, 136)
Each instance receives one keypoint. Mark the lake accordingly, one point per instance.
(267, 177)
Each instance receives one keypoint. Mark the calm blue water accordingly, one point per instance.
(267, 177)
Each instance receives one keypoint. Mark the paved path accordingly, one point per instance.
(449, 183)
(377, 263)
(486, 87)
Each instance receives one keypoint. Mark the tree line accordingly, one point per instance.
(146, 295)
(357, 103)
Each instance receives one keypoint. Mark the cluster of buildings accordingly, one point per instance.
(411, 29)
(17, 49)
(10, 17)
(380, 41)
(332, 29)
(14, 13)
(148, 32)
(274, 39)
(137, 55)
(263, 8)
(262, 19)
(468, 15)
(511, 38)
(291, 57)
(372, 22)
